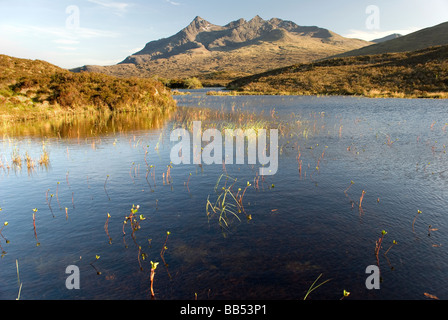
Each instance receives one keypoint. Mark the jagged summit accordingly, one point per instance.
(239, 47)
(203, 36)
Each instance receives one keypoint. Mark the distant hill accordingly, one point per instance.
(422, 73)
(387, 38)
(34, 87)
(239, 48)
(428, 37)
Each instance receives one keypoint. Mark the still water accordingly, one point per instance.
(301, 223)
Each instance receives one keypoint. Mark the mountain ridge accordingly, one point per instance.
(428, 37)
(238, 48)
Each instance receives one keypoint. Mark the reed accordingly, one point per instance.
(314, 286)
(16, 159)
(44, 159)
(29, 162)
(18, 280)
(227, 203)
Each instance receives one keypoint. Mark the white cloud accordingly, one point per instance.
(370, 35)
(66, 41)
(68, 36)
(173, 3)
(120, 7)
(65, 48)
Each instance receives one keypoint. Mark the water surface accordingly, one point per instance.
(302, 222)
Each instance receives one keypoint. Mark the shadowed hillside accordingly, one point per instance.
(422, 73)
(428, 37)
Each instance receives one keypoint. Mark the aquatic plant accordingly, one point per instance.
(18, 280)
(57, 197)
(227, 203)
(413, 222)
(29, 162)
(34, 226)
(131, 218)
(105, 190)
(351, 184)
(44, 159)
(106, 228)
(16, 159)
(394, 243)
(345, 294)
(1, 234)
(314, 286)
(151, 277)
(378, 244)
(49, 201)
(97, 257)
(430, 229)
(164, 248)
(361, 198)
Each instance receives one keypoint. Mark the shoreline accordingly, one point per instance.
(393, 95)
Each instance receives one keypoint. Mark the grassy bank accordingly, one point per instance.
(34, 88)
(417, 74)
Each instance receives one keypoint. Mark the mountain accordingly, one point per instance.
(421, 73)
(432, 36)
(239, 48)
(387, 38)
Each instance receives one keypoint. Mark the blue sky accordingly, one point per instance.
(107, 31)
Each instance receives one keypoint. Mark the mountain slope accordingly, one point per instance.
(422, 73)
(428, 37)
(32, 87)
(239, 48)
